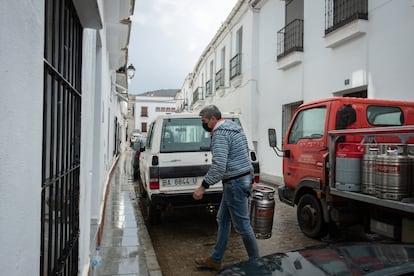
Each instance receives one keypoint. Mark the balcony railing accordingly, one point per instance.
(341, 12)
(209, 88)
(290, 38)
(220, 79)
(198, 94)
(235, 66)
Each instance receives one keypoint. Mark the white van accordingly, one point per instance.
(174, 162)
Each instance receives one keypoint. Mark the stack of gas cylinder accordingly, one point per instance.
(382, 170)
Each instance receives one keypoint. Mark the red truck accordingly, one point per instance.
(350, 161)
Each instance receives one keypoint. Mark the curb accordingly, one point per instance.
(153, 266)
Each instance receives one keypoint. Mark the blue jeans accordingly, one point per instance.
(234, 210)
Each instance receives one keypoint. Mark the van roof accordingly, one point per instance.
(194, 115)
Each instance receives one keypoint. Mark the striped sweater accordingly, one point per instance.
(230, 153)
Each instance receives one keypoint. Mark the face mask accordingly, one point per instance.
(206, 128)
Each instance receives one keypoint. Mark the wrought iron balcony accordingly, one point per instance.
(235, 66)
(341, 12)
(290, 38)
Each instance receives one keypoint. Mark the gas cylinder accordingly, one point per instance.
(348, 166)
(392, 173)
(371, 152)
(410, 151)
(261, 209)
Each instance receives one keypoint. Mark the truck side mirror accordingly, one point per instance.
(272, 137)
(271, 133)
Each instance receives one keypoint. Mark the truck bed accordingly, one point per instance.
(397, 205)
(403, 133)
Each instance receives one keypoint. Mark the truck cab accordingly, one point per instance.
(306, 164)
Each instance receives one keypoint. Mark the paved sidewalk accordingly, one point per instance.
(125, 246)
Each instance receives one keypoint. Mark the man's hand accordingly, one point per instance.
(254, 185)
(198, 193)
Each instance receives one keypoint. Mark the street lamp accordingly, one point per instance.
(130, 71)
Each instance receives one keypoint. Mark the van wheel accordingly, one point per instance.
(152, 213)
(310, 217)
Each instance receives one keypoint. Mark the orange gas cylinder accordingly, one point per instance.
(348, 166)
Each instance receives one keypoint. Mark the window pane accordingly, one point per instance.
(385, 116)
(309, 124)
(185, 134)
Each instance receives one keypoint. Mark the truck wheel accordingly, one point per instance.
(310, 217)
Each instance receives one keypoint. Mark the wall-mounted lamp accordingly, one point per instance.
(130, 71)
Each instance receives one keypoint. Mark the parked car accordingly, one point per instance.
(136, 147)
(365, 258)
(135, 136)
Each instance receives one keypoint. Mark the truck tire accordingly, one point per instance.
(310, 217)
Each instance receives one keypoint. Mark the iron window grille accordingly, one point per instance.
(235, 66)
(209, 88)
(290, 38)
(220, 79)
(59, 240)
(341, 12)
(198, 94)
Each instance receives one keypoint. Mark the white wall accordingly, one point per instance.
(21, 108)
(274, 86)
(391, 44)
(87, 123)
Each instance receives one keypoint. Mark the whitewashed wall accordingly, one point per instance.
(21, 112)
(152, 102)
(89, 40)
(391, 43)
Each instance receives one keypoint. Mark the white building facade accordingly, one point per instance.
(63, 106)
(150, 106)
(269, 56)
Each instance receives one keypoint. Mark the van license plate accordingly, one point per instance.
(182, 181)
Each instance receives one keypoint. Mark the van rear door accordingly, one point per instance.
(185, 155)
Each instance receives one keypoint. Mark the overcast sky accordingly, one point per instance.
(168, 37)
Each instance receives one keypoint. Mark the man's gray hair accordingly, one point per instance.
(210, 111)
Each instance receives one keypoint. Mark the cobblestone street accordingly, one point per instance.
(188, 233)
